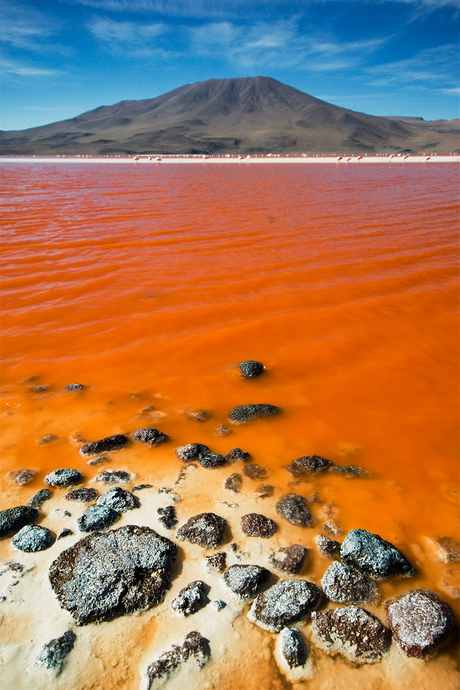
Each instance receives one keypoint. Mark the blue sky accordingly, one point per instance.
(59, 58)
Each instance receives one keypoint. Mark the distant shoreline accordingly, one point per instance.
(246, 159)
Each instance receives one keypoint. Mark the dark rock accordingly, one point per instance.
(285, 603)
(245, 413)
(211, 460)
(104, 445)
(119, 499)
(75, 387)
(328, 547)
(255, 471)
(33, 538)
(250, 369)
(333, 528)
(222, 430)
(311, 464)
(256, 525)
(265, 490)
(151, 436)
(351, 632)
(114, 477)
(295, 510)
(292, 647)
(82, 494)
(199, 415)
(12, 519)
(191, 451)
(447, 549)
(195, 648)
(66, 532)
(234, 482)
(47, 438)
(236, 454)
(218, 604)
(246, 580)
(289, 559)
(38, 499)
(64, 477)
(21, 476)
(147, 410)
(233, 547)
(216, 563)
(39, 388)
(141, 487)
(54, 652)
(112, 574)
(13, 567)
(97, 518)
(191, 598)
(351, 471)
(167, 517)
(344, 585)
(205, 529)
(420, 622)
(373, 556)
(100, 460)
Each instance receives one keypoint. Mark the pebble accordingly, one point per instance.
(292, 648)
(153, 437)
(191, 598)
(64, 477)
(246, 413)
(100, 460)
(194, 649)
(216, 563)
(114, 477)
(222, 430)
(97, 518)
(75, 387)
(328, 547)
(47, 438)
(211, 460)
(32, 538)
(104, 445)
(251, 368)
(287, 602)
(13, 519)
(53, 653)
(119, 499)
(295, 510)
(373, 556)
(38, 499)
(351, 471)
(344, 585)
(309, 464)
(141, 487)
(205, 529)
(447, 549)
(167, 517)
(21, 477)
(254, 471)
(191, 451)
(66, 532)
(236, 454)
(234, 482)
(265, 490)
(199, 415)
(246, 580)
(289, 559)
(256, 525)
(82, 494)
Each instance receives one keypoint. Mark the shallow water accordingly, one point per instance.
(149, 284)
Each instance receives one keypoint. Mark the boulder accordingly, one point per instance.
(255, 471)
(285, 603)
(191, 598)
(168, 517)
(12, 519)
(246, 580)
(151, 436)
(250, 369)
(294, 509)
(82, 494)
(256, 525)
(246, 413)
(373, 556)
(104, 445)
(97, 518)
(292, 648)
(54, 652)
(114, 477)
(107, 575)
(191, 451)
(351, 632)
(33, 538)
(234, 482)
(64, 477)
(205, 529)
(289, 559)
(119, 499)
(420, 622)
(344, 585)
(216, 563)
(236, 454)
(38, 499)
(194, 649)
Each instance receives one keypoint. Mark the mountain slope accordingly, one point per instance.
(250, 115)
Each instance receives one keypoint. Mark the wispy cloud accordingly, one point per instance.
(132, 39)
(20, 69)
(428, 66)
(25, 27)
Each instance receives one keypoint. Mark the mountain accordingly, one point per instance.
(250, 115)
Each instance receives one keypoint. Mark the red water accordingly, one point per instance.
(148, 284)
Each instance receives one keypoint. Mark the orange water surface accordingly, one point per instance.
(148, 284)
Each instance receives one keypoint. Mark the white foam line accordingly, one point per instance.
(243, 160)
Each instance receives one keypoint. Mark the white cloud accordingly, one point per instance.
(20, 69)
(424, 68)
(134, 33)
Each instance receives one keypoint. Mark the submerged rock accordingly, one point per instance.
(265, 490)
(191, 451)
(234, 482)
(351, 471)
(47, 438)
(309, 464)
(292, 648)
(285, 603)
(222, 430)
(245, 413)
(12, 519)
(374, 556)
(21, 477)
(289, 559)
(54, 652)
(33, 538)
(420, 622)
(205, 529)
(211, 460)
(66, 532)
(64, 477)
(447, 549)
(38, 499)
(167, 517)
(216, 563)
(111, 574)
(82, 494)
(194, 648)
(250, 369)
(114, 477)
(236, 454)
(191, 598)
(97, 518)
(75, 387)
(199, 415)
(246, 580)
(328, 547)
(151, 436)
(295, 510)
(119, 499)
(99, 460)
(351, 632)
(256, 525)
(255, 471)
(104, 445)
(344, 585)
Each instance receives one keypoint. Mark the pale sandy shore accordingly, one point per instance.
(394, 159)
